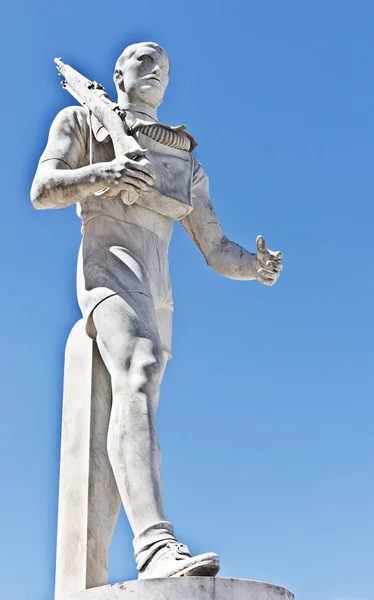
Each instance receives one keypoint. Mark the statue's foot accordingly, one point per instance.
(174, 560)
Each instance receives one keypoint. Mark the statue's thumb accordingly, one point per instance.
(260, 243)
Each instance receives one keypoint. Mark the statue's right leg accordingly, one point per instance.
(129, 342)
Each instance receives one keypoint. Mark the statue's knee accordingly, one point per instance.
(141, 368)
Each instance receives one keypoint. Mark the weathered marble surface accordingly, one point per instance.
(187, 588)
(109, 433)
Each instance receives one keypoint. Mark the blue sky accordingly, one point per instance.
(266, 416)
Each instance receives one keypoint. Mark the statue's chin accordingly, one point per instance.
(150, 95)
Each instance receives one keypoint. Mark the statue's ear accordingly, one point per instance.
(118, 76)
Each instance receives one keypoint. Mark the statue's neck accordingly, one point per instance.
(139, 111)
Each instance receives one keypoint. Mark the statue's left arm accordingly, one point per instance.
(224, 256)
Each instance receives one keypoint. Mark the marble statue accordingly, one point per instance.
(123, 283)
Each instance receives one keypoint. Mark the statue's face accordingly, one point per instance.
(145, 75)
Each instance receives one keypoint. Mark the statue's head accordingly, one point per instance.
(142, 72)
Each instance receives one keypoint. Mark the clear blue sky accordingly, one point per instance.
(266, 417)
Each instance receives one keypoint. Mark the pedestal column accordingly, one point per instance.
(89, 502)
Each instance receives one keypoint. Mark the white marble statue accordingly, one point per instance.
(124, 288)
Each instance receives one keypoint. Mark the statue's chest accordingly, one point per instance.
(171, 195)
(172, 192)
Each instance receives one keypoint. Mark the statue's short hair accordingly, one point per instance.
(129, 51)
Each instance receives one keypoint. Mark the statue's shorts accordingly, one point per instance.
(121, 259)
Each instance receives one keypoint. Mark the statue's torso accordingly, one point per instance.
(114, 208)
(126, 246)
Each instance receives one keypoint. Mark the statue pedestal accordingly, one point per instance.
(187, 588)
(89, 502)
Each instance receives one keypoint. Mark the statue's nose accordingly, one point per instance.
(156, 70)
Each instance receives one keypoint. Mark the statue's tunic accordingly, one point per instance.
(124, 248)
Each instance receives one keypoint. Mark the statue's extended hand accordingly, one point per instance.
(268, 265)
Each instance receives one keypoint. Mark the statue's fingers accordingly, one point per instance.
(267, 277)
(139, 152)
(273, 265)
(129, 186)
(277, 255)
(139, 175)
(134, 182)
(143, 166)
(268, 273)
(260, 243)
(265, 281)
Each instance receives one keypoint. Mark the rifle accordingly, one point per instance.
(93, 96)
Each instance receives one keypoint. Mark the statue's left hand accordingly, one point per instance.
(268, 263)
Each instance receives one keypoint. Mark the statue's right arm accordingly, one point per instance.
(55, 186)
(60, 181)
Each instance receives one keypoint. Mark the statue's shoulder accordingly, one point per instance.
(68, 136)
(72, 118)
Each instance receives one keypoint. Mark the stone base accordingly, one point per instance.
(187, 588)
